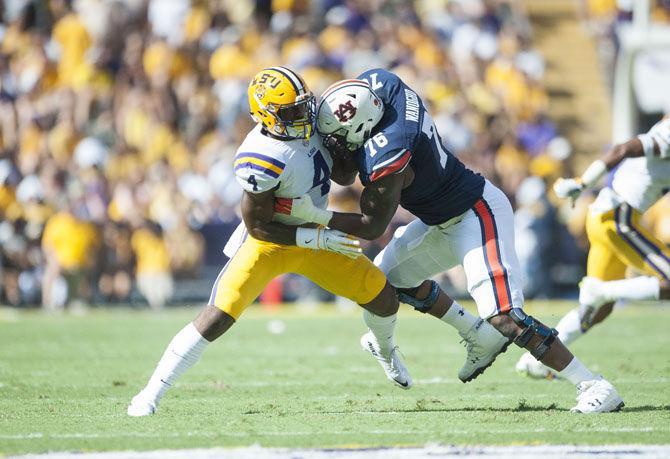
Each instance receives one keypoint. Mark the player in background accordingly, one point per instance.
(281, 158)
(640, 176)
(383, 126)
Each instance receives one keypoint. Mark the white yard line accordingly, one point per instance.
(429, 451)
(418, 382)
(206, 434)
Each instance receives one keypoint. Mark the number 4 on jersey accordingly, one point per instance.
(321, 173)
(252, 181)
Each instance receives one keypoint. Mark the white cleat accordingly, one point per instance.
(139, 406)
(393, 367)
(484, 343)
(597, 396)
(592, 293)
(530, 366)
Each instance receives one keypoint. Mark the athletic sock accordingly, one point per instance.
(383, 328)
(637, 288)
(576, 372)
(569, 327)
(181, 354)
(459, 318)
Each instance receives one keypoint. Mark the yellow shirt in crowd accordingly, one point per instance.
(72, 241)
(151, 254)
(7, 199)
(74, 40)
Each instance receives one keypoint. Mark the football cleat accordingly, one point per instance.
(530, 366)
(597, 396)
(139, 406)
(592, 293)
(391, 363)
(483, 343)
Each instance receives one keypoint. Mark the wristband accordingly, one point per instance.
(593, 173)
(662, 141)
(648, 144)
(321, 216)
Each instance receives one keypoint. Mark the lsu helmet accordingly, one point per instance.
(348, 111)
(281, 102)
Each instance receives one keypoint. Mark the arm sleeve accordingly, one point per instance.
(257, 173)
(388, 162)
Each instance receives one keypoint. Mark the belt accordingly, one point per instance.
(451, 221)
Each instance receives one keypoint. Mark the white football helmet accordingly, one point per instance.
(349, 109)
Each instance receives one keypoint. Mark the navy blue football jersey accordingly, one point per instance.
(443, 187)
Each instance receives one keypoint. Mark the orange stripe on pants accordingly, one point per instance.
(497, 271)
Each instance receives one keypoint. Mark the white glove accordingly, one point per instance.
(304, 209)
(328, 239)
(568, 188)
(573, 187)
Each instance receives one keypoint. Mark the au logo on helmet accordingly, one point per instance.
(345, 112)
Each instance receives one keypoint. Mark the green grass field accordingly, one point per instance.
(65, 382)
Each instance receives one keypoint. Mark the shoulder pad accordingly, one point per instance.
(382, 82)
(256, 172)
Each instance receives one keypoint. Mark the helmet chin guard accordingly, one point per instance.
(350, 109)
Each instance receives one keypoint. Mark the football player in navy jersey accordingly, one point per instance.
(382, 128)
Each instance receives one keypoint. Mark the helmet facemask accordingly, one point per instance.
(336, 143)
(296, 120)
(357, 135)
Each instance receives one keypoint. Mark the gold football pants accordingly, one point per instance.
(618, 240)
(256, 262)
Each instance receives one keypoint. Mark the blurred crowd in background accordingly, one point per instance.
(603, 17)
(119, 121)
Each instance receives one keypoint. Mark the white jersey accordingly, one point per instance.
(292, 168)
(641, 182)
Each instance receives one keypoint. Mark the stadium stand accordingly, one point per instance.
(119, 121)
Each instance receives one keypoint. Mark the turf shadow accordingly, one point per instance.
(645, 408)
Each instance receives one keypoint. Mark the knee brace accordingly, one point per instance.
(420, 305)
(532, 327)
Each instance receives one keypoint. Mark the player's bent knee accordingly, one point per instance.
(410, 296)
(532, 328)
(212, 322)
(385, 304)
(505, 325)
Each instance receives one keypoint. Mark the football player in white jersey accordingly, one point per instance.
(640, 172)
(280, 158)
